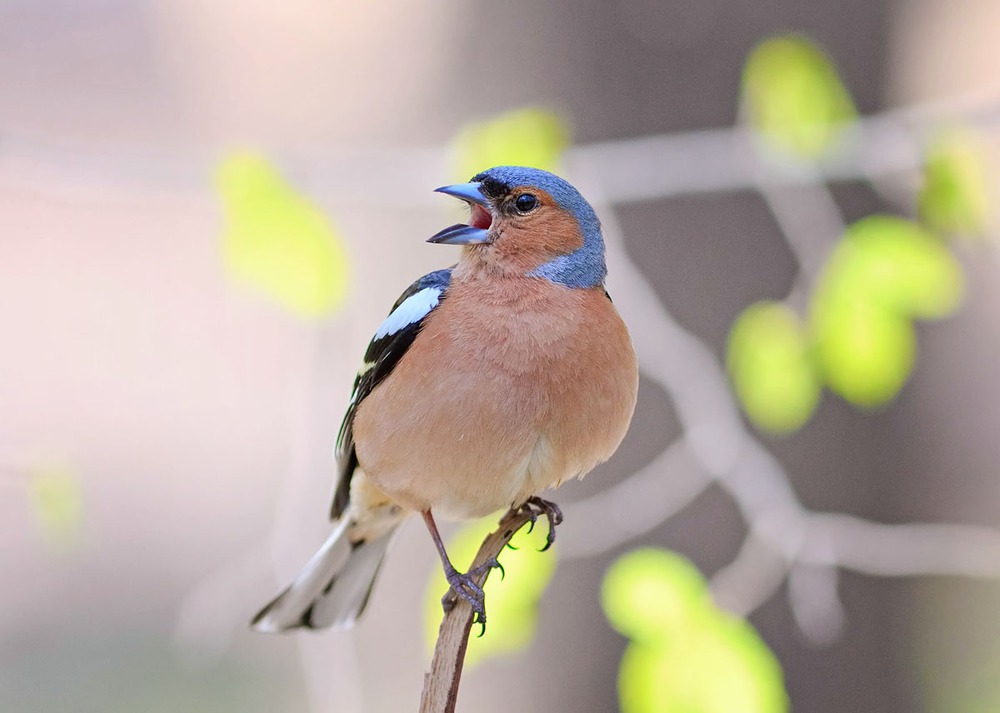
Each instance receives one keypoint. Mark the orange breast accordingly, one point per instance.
(513, 386)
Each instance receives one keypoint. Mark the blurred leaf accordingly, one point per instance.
(896, 264)
(523, 137)
(954, 198)
(885, 272)
(770, 367)
(511, 602)
(794, 96)
(277, 241)
(685, 655)
(648, 592)
(866, 351)
(56, 497)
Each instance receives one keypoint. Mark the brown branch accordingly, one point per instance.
(441, 681)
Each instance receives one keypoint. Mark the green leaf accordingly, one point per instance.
(896, 264)
(511, 601)
(56, 498)
(685, 655)
(648, 592)
(794, 97)
(865, 350)
(769, 363)
(277, 241)
(522, 137)
(885, 272)
(954, 198)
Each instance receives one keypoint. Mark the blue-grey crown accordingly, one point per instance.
(584, 267)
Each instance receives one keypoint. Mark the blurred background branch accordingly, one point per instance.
(887, 145)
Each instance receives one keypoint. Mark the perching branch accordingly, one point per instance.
(442, 680)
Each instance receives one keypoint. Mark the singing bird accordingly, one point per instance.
(488, 383)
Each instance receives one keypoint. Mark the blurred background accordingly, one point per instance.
(207, 208)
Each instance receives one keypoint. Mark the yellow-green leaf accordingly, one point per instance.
(794, 96)
(885, 272)
(769, 363)
(685, 655)
(894, 263)
(511, 601)
(649, 591)
(954, 198)
(866, 351)
(522, 137)
(277, 241)
(56, 498)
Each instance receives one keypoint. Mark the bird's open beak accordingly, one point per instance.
(477, 230)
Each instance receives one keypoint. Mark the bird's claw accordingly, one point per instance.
(464, 586)
(488, 565)
(535, 506)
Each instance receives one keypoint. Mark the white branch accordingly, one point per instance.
(807, 217)
(752, 578)
(816, 605)
(634, 506)
(906, 550)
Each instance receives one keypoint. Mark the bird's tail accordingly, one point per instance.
(332, 589)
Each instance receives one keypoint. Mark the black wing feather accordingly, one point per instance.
(382, 355)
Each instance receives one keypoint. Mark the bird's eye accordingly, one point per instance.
(525, 203)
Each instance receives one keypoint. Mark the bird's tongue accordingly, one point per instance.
(480, 217)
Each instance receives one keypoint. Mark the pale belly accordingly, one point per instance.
(467, 425)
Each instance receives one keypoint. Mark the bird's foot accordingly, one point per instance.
(464, 586)
(535, 506)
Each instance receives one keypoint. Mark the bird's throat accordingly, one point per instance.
(480, 217)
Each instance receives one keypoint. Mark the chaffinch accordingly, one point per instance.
(488, 382)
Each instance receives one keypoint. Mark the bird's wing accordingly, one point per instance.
(393, 337)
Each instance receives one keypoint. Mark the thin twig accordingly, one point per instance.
(636, 505)
(903, 550)
(442, 680)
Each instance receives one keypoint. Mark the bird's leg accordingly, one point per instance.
(462, 585)
(535, 506)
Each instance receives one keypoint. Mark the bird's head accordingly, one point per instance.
(530, 221)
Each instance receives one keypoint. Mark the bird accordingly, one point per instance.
(488, 383)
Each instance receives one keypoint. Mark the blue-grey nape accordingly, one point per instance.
(584, 267)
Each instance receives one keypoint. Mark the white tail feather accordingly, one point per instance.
(332, 589)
